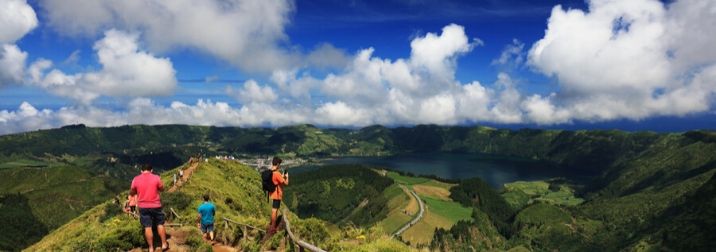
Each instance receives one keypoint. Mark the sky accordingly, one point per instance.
(598, 64)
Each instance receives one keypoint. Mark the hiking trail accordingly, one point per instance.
(193, 164)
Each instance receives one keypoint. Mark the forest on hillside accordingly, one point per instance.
(649, 190)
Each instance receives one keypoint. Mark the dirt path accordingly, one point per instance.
(187, 173)
(414, 220)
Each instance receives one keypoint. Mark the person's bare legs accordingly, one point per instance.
(162, 236)
(274, 215)
(149, 235)
(211, 235)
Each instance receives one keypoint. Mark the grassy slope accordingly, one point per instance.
(397, 202)
(522, 193)
(234, 188)
(638, 164)
(51, 191)
(439, 213)
(104, 227)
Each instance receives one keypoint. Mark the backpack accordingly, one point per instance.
(267, 181)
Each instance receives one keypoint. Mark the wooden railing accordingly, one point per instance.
(244, 227)
(227, 220)
(300, 243)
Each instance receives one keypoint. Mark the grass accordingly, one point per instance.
(450, 210)
(422, 232)
(234, 188)
(54, 194)
(17, 163)
(522, 193)
(397, 202)
(405, 180)
(432, 191)
(438, 214)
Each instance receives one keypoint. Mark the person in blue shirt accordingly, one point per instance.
(205, 221)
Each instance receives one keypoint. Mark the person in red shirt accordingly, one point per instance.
(146, 186)
(279, 180)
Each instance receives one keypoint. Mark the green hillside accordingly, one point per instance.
(632, 181)
(41, 194)
(660, 198)
(236, 191)
(334, 193)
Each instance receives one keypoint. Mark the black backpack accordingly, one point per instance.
(267, 181)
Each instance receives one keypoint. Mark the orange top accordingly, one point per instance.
(278, 180)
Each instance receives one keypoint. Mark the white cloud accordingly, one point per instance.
(341, 114)
(437, 54)
(251, 92)
(126, 71)
(627, 59)
(247, 33)
(619, 59)
(327, 56)
(17, 18)
(512, 55)
(419, 89)
(12, 64)
(145, 111)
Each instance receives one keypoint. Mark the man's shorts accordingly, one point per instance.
(205, 228)
(276, 204)
(151, 216)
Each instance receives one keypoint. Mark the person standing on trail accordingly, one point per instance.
(146, 186)
(205, 221)
(132, 203)
(279, 180)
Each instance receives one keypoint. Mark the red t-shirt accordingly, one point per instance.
(278, 180)
(148, 187)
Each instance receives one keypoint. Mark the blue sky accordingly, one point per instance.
(514, 63)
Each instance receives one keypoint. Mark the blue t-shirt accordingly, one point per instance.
(207, 211)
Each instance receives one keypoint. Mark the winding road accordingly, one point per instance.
(414, 220)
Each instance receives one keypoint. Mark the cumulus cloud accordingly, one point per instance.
(418, 89)
(126, 71)
(251, 92)
(369, 90)
(17, 18)
(617, 59)
(247, 33)
(12, 64)
(145, 111)
(627, 59)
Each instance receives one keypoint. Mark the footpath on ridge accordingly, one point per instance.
(177, 235)
(193, 164)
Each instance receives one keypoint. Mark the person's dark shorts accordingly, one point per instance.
(205, 228)
(276, 204)
(151, 216)
(133, 209)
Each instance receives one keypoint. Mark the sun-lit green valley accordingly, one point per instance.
(635, 191)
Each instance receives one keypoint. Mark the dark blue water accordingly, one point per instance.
(493, 169)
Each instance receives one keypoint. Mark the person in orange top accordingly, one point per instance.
(132, 203)
(279, 180)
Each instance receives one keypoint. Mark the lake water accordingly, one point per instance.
(493, 169)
